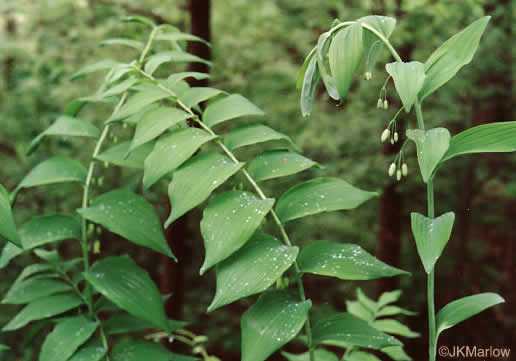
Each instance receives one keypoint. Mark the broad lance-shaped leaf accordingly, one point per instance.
(8, 230)
(230, 107)
(171, 151)
(196, 95)
(179, 36)
(90, 351)
(228, 222)
(396, 353)
(431, 146)
(372, 44)
(394, 327)
(131, 216)
(154, 123)
(66, 337)
(139, 350)
(253, 134)
(41, 230)
(131, 43)
(43, 308)
(459, 310)
(122, 282)
(345, 55)
(322, 50)
(54, 170)
(320, 195)
(485, 138)
(456, 52)
(252, 269)
(125, 323)
(117, 155)
(343, 330)
(274, 320)
(274, 164)
(150, 93)
(9, 252)
(194, 181)
(320, 355)
(356, 355)
(34, 288)
(431, 236)
(408, 80)
(173, 56)
(66, 126)
(92, 68)
(343, 260)
(309, 83)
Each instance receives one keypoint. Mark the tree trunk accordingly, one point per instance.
(200, 14)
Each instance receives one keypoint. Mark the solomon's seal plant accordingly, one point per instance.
(177, 141)
(343, 49)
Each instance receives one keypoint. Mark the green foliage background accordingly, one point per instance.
(258, 48)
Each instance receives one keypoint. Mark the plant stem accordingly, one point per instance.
(431, 278)
(259, 191)
(384, 40)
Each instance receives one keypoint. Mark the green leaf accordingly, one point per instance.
(408, 80)
(122, 282)
(228, 222)
(182, 144)
(366, 301)
(176, 77)
(34, 288)
(345, 55)
(388, 297)
(322, 49)
(394, 310)
(343, 330)
(397, 353)
(9, 252)
(431, 146)
(54, 170)
(4, 348)
(252, 269)
(431, 236)
(120, 87)
(41, 230)
(66, 338)
(196, 95)
(301, 75)
(394, 327)
(309, 84)
(138, 19)
(34, 269)
(230, 107)
(125, 323)
(343, 260)
(459, 310)
(274, 320)
(43, 308)
(194, 181)
(358, 310)
(117, 155)
(320, 355)
(154, 122)
(131, 43)
(252, 134)
(131, 216)
(173, 56)
(138, 350)
(456, 52)
(91, 351)
(178, 36)
(485, 138)
(319, 195)
(66, 126)
(149, 94)
(361, 356)
(93, 68)
(372, 44)
(8, 230)
(275, 164)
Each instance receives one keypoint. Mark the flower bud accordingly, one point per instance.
(392, 141)
(379, 105)
(106, 164)
(385, 135)
(392, 169)
(396, 137)
(385, 104)
(398, 175)
(404, 169)
(368, 75)
(96, 247)
(125, 125)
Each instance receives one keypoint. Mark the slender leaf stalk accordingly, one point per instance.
(259, 191)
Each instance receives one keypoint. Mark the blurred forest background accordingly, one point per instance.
(257, 50)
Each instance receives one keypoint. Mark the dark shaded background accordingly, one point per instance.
(258, 48)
